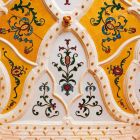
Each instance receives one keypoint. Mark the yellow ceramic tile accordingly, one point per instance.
(25, 26)
(110, 25)
(18, 72)
(116, 71)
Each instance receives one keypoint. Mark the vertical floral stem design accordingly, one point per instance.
(16, 72)
(88, 103)
(22, 26)
(48, 103)
(67, 67)
(118, 71)
(112, 27)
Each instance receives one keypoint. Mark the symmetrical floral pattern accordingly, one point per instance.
(17, 72)
(118, 71)
(67, 66)
(113, 27)
(88, 103)
(22, 26)
(50, 110)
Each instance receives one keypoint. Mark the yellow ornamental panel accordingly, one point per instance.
(25, 26)
(116, 70)
(110, 25)
(18, 71)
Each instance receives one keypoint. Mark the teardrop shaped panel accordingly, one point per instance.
(67, 63)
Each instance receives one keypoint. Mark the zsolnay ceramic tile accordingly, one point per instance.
(69, 70)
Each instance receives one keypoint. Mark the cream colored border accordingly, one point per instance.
(131, 73)
(36, 130)
(5, 86)
(3, 7)
(134, 6)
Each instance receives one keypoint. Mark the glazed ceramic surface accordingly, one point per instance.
(69, 69)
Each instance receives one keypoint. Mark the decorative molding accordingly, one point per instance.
(111, 105)
(3, 7)
(77, 13)
(134, 6)
(5, 86)
(17, 52)
(112, 57)
(67, 131)
(131, 78)
(14, 128)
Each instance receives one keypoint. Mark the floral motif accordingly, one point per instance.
(22, 26)
(50, 111)
(67, 59)
(118, 71)
(88, 103)
(112, 27)
(16, 72)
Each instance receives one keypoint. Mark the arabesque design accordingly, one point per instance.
(118, 71)
(113, 27)
(67, 66)
(88, 103)
(21, 27)
(50, 111)
(16, 72)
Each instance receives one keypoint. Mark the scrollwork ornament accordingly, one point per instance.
(88, 103)
(22, 27)
(67, 67)
(113, 27)
(46, 102)
(118, 71)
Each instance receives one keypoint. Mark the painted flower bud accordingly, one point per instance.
(67, 60)
(131, 30)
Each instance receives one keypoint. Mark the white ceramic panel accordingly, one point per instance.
(44, 106)
(67, 64)
(90, 106)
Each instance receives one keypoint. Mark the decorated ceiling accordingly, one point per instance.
(75, 59)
